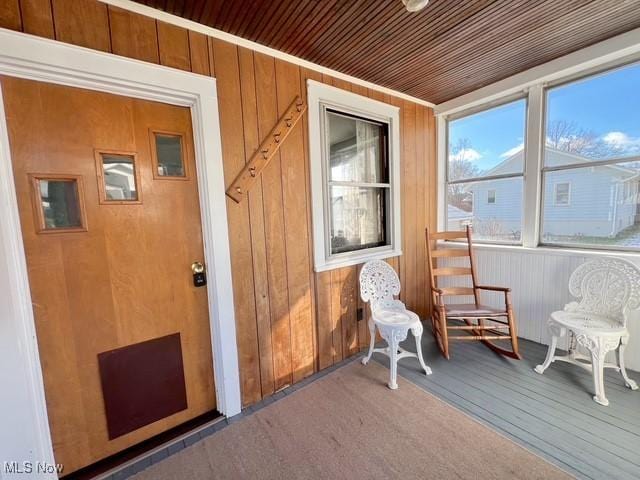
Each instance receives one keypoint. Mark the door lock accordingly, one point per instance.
(199, 276)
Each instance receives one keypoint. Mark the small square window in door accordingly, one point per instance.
(169, 155)
(118, 179)
(58, 203)
(142, 383)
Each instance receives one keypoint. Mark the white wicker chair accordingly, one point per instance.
(608, 289)
(378, 285)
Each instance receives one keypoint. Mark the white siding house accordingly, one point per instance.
(497, 208)
(598, 201)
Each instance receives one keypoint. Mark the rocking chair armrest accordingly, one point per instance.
(494, 289)
(505, 290)
(439, 292)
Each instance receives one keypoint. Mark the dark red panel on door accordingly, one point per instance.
(142, 383)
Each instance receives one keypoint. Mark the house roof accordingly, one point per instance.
(455, 213)
(555, 158)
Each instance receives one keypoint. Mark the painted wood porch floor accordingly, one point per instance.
(551, 415)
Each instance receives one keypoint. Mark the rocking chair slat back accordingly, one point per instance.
(450, 252)
(451, 271)
(449, 235)
(436, 271)
(457, 291)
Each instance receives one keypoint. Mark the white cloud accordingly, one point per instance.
(512, 151)
(622, 142)
(616, 138)
(468, 154)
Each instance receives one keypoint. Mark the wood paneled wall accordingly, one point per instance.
(291, 321)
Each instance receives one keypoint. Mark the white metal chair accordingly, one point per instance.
(608, 289)
(378, 285)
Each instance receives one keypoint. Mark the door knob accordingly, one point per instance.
(199, 277)
(197, 267)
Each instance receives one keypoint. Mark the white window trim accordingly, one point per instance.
(489, 196)
(616, 51)
(555, 194)
(25, 434)
(319, 94)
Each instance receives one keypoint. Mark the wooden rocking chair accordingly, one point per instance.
(470, 316)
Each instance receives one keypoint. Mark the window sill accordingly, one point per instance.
(351, 260)
(556, 251)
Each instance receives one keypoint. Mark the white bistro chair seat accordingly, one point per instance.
(608, 288)
(592, 324)
(391, 318)
(378, 284)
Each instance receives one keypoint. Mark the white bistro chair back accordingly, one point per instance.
(607, 286)
(379, 284)
(606, 289)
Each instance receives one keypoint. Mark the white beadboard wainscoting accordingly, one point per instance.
(539, 280)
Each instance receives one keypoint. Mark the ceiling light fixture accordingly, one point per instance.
(415, 5)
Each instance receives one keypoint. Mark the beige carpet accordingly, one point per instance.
(350, 425)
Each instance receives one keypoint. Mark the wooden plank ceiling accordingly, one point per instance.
(450, 48)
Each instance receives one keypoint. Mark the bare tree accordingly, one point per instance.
(461, 166)
(569, 137)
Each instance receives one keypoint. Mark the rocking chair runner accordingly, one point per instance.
(501, 322)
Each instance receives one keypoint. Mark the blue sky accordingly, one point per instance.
(607, 104)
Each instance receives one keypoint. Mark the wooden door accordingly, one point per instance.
(108, 201)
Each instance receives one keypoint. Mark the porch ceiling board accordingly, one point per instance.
(446, 50)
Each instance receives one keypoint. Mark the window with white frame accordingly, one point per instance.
(591, 165)
(582, 162)
(562, 192)
(354, 146)
(485, 161)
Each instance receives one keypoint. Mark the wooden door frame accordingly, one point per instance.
(25, 434)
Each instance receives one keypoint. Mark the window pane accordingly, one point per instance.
(60, 203)
(357, 150)
(593, 206)
(492, 207)
(358, 218)
(169, 155)
(490, 142)
(119, 177)
(594, 119)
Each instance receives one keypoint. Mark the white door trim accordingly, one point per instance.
(25, 435)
